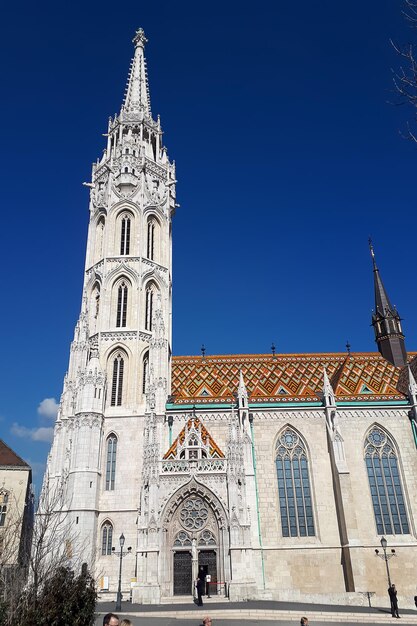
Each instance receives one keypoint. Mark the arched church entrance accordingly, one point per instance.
(195, 545)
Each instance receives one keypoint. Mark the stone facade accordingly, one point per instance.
(182, 455)
(16, 508)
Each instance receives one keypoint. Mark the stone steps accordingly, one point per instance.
(277, 615)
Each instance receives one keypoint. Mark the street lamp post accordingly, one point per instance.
(121, 554)
(386, 557)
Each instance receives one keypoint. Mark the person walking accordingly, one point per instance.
(304, 621)
(200, 590)
(392, 592)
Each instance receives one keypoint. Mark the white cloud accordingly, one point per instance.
(48, 408)
(36, 434)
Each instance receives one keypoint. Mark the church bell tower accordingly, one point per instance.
(119, 365)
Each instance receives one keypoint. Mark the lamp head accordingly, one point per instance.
(376, 551)
(384, 543)
(122, 540)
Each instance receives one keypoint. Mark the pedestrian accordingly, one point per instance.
(207, 621)
(200, 590)
(415, 600)
(392, 592)
(126, 622)
(304, 621)
(110, 619)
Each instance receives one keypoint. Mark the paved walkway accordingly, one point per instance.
(255, 612)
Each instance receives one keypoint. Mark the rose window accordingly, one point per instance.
(194, 514)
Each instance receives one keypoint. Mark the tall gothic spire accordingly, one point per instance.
(387, 322)
(137, 90)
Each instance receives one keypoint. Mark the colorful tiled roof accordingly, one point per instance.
(206, 438)
(364, 376)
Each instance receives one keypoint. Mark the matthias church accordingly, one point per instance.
(278, 474)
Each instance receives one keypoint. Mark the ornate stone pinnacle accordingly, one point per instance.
(139, 39)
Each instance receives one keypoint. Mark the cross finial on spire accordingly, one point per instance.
(140, 39)
(371, 248)
(348, 347)
(203, 350)
(137, 97)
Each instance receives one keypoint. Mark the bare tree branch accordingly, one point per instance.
(405, 77)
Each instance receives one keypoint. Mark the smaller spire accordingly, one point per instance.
(386, 322)
(137, 97)
(412, 386)
(328, 393)
(242, 392)
(242, 400)
(382, 301)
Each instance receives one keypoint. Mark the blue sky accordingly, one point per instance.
(288, 157)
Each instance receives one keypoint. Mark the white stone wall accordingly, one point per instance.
(312, 565)
(14, 481)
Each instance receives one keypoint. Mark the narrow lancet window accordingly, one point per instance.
(294, 490)
(106, 539)
(385, 484)
(117, 381)
(121, 305)
(150, 252)
(148, 309)
(145, 372)
(125, 236)
(111, 462)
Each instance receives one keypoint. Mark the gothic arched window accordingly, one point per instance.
(150, 248)
(149, 306)
(4, 499)
(206, 538)
(145, 372)
(111, 462)
(117, 381)
(98, 248)
(385, 484)
(294, 490)
(125, 235)
(121, 305)
(106, 539)
(182, 539)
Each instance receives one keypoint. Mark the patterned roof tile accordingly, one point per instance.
(284, 377)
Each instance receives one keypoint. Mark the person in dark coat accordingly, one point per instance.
(392, 592)
(201, 583)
